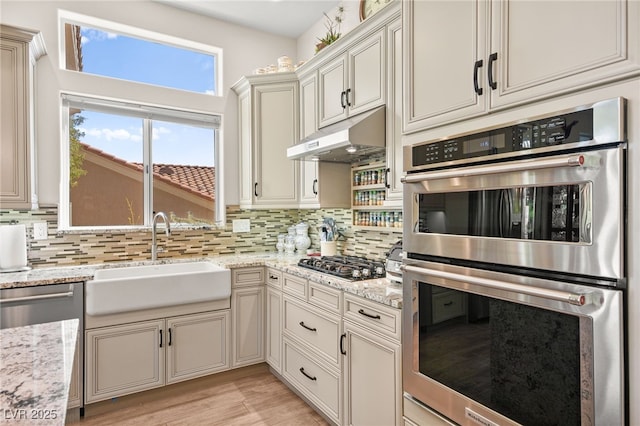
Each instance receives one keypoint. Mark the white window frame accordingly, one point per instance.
(147, 113)
(67, 17)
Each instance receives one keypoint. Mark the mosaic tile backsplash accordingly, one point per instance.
(74, 248)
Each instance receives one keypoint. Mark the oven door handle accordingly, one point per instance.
(578, 160)
(545, 293)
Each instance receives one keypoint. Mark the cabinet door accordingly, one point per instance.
(14, 124)
(552, 56)
(367, 74)
(124, 359)
(275, 129)
(394, 115)
(442, 42)
(274, 329)
(197, 345)
(372, 378)
(309, 184)
(248, 326)
(332, 80)
(246, 150)
(75, 385)
(308, 105)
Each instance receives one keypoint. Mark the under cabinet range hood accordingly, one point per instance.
(348, 141)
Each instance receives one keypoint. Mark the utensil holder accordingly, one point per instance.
(328, 248)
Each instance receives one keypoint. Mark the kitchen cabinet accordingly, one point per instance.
(494, 57)
(321, 184)
(274, 320)
(370, 208)
(311, 328)
(373, 364)
(394, 170)
(128, 358)
(19, 50)
(268, 125)
(354, 81)
(248, 323)
(75, 384)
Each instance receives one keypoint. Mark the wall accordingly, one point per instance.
(307, 41)
(75, 248)
(244, 50)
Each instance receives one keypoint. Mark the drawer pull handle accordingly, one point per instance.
(448, 304)
(160, 338)
(362, 312)
(302, 324)
(169, 343)
(306, 375)
(273, 277)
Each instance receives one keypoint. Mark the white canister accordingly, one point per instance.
(328, 248)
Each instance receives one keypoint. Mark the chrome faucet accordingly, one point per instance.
(154, 245)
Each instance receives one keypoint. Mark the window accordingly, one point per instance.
(98, 47)
(127, 161)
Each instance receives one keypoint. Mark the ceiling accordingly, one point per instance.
(289, 18)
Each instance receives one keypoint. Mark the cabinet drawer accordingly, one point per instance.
(274, 278)
(317, 382)
(372, 315)
(325, 297)
(247, 276)
(447, 305)
(320, 331)
(294, 285)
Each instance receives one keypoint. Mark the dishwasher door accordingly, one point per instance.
(48, 303)
(40, 304)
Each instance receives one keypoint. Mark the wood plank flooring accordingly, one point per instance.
(246, 396)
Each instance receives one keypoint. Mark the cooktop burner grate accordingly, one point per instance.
(347, 267)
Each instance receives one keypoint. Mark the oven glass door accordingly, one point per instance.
(557, 213)
(543, 213)
(534, 354)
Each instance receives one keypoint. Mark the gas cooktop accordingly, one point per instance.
(348, 267)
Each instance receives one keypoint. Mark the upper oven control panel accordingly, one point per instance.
(557, 130)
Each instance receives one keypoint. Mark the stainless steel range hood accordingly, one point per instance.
(351, 140)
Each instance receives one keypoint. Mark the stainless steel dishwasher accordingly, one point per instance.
(48, 303)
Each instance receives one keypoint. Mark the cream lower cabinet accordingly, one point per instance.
(372, 369)
(129, 358)
(248, 323)
(311, 357)
(273, 332)
(372, 372)
(75, 384)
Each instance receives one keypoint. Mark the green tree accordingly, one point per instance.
(76, 155)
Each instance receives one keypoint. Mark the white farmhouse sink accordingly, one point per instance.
(144, 287)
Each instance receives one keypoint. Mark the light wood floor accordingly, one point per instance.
(246, 396)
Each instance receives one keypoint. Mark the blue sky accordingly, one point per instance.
(133, 59)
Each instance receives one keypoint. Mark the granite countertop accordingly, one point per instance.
(380, 290)
(35, 370)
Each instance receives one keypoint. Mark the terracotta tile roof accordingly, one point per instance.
(198, 180)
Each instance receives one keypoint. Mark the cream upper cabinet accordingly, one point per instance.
(394, 115)
(322, 185)
(354, 81)
(19, 51)
(268, 125)
(464, 58)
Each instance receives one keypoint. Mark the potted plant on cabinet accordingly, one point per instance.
(333, 29)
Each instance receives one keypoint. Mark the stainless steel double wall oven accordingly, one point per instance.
(514, 277)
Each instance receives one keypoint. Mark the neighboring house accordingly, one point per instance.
(111, 193)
